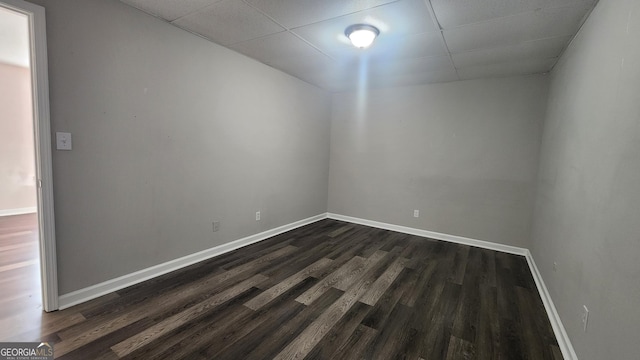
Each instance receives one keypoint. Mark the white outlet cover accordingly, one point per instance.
(63, 141)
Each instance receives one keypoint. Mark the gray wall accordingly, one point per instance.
(170, 132)
(464, 153)
(587, 216)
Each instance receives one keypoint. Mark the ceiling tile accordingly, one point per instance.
(399, 67)
(309, 69)
(169, 9)
(545, 48)
(338, 76)
(305, 38)
(451, 13)
(305, 65)
(533, 66)
(393, 20)
(228, 22)
(414, 79)
(294, 13)
(346, 76)
(275, 47)
(392, 47)
(514, 29)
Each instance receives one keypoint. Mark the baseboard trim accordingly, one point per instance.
(19, 211)
(561, 335)
(95, 291)
(432, 234)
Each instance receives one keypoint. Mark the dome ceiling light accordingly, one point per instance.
(361, 35)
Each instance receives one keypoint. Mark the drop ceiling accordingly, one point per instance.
(420, 41)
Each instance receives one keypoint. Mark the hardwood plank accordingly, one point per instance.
(459, 264)
(101, 347)
(488, 333)
(466, 316)
(19, 265)
(157, 330)
(232, 343)
(273, 344)
(290, 265)
(349, 270)
(436, 336)
(423, 276)
(557, 354)
(99, 326)
(534, 342)
(279, 289)
(393, 339)
(356, 345)
(340, 230)
(183, 340)
(347, 280)
(303, 343)
(340, 333)
(488, 267)
(382, 283)
(327, 290)
(460, 349)
(380, 314)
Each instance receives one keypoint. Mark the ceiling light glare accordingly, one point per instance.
(361, 35)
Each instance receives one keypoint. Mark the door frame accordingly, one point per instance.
(42, 137)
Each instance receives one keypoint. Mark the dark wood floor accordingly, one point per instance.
(20, 290)
(329, 290)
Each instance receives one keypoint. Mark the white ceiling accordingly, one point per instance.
(421, 41)
(14, 38)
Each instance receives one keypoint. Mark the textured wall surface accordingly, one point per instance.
(464, 154)
(588, 203)
(170, 132)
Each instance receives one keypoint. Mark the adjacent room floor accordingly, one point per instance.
(20, 290)
(329, 290)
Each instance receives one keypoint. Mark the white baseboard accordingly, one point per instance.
(432, 235)
(19, 211)
(568, 353)
(561, 335)
(95, 291)
(92, 292)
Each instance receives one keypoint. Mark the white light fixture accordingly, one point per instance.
(361, 35)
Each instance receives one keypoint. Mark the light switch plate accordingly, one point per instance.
(63, 141)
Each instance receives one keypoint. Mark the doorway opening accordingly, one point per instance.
(28, 271)
(19, 238)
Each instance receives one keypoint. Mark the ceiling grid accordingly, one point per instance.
(420, 41)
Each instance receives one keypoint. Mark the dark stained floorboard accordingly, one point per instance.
(328, 290)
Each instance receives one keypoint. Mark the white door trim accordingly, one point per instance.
(42, 135)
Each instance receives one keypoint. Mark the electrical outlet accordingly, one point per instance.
(585, 317)
(63, 141)
(257, 215)
(416, 213)
(216, 226)
(555, 266)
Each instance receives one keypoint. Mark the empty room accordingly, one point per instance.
(335, 179)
